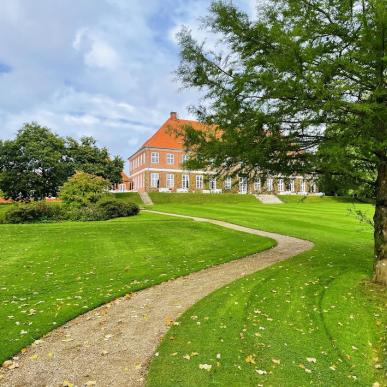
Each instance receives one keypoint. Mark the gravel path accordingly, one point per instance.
(113, 344)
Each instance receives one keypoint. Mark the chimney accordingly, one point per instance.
(173, 116)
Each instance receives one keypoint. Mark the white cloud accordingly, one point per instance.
(102, 68)
(97, 53)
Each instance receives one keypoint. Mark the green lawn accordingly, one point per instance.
(50, 273)
(132, 197)
(198, 198)
(312, 320)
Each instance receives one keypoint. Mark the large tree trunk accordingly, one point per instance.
(380, 221)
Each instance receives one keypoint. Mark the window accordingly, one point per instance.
(212, 184)
(227, 182)
(292, 185)
(269, 184)
(170, 180)
(154, 180)
(170, 158)
(185, 181)
(155, 157)
(185, 158)
(243, 185)
(199, 181)
(314, 187)
(280, 185)
(257, 184)
(303, 185)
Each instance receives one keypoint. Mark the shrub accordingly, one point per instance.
(83, 189)
(114, 208)
(84, 214)
(33, 212)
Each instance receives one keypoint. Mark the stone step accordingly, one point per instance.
(145, 198)
(269, 199)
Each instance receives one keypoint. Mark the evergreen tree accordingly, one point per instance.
(305, 72)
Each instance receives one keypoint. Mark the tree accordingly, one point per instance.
(305, 73)
(37, 162)
(33, 165)
(86, 156)
(83, 189)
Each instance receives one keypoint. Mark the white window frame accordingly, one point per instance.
(292, 185)
(185, 181)
(243, 185)
(155, 180)
(228, 183)
(199, 181)
(170, 180)
(155, 158)
(257, 184)
(280, 185)
(170, 158)
(185, 158)
(269, 184)
(303, 185)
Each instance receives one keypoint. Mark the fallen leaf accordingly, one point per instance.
(206, 367)
(261, 372)
(250, 359)
(311, 359)
(276, 361)
(168, 321)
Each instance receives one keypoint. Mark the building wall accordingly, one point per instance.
(143, 159)
(220, 183)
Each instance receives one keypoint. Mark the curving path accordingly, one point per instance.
(113, 344)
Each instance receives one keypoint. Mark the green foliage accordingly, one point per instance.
(33, 212)
(33, 165)
(59, 271)
(114, 208)
(83, 189)
(304, 73)
(37, 162)
(87, 157)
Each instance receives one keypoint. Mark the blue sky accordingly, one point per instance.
(103, 68)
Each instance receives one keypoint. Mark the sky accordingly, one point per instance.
(101, 68)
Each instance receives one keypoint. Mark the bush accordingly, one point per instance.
(105, 209)
(114, 208)
(84, 214)
(83, 189)
(33, 212)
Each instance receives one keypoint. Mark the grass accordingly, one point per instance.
(198, 198)
(132, 197)
(50, 273)
(314, 319)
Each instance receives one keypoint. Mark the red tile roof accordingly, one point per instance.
(166, 136)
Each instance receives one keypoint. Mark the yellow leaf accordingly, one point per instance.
(250, 359)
